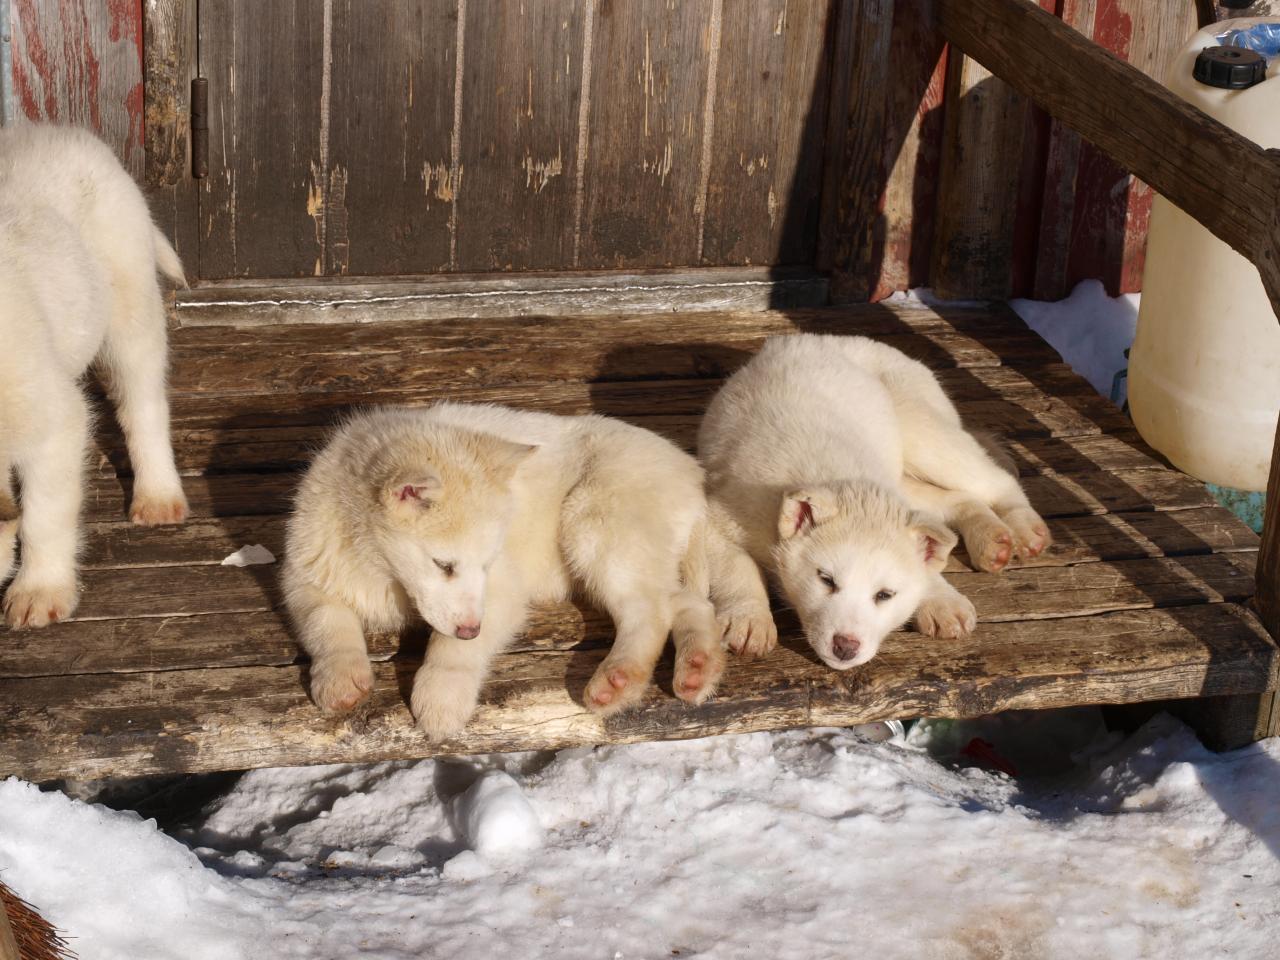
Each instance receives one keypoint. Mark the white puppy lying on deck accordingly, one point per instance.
(78, 261)
(838, 464)
(470, 514)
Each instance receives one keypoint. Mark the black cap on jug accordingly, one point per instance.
(1232, 68)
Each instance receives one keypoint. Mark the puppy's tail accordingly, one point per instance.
(167, 261)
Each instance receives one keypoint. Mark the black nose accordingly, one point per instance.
(845, 647)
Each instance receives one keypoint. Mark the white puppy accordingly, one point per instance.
(468, 514)
(78, 261)
(837, 463)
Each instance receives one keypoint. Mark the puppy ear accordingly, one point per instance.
(934, 540)
(420, 486)
(802, 510)
(508, 456)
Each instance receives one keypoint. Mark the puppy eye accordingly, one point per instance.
(829, 580)
(883, 595)
(445, 568)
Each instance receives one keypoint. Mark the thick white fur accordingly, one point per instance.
(78, 261)
(468, 514)
(840, 456)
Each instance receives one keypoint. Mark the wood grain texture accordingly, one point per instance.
(187, 720)
(521, 85)
(641, 179)
(259, 204)
(168, 66)
(384, 194)
(853, 177)
(563, 294)
(80, 62)
(768, 119)
(1169, 144)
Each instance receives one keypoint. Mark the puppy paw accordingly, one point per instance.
(698, 671)
(151, 510)
(950, 617)
(616, 685)
(38, 604)
(748, 631)
(989, 544)
(441, 704)
(1030, 533)
(340, 684)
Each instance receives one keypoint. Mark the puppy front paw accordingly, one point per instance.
(153, 509)
(951, 617)
(748, 630)
(618, 683)
(28, 604)
(441, 704)
(339, 684)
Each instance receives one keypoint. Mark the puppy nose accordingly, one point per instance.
(467, 631)
(844, 646)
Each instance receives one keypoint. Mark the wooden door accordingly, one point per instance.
(408, 137)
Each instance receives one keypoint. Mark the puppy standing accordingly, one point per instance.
(837, 463)
(78, 261)
(470, 514)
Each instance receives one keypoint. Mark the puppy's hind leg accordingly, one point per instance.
(136, 357)
(52, 471)
(987, 539)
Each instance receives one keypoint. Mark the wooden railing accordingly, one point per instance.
(1227, 182)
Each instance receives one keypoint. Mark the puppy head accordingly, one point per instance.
(854, 562)
(442, 506)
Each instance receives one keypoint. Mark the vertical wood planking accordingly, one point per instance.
(853, 176)
(264, 63)
(913, 127)
(988, 182)
(391, 182)
(80, 62)
(521, 88)
(644, 138)
(764, 154)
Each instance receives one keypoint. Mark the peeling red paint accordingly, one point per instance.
(126, 21)
(22, 84)
(38, 57)
(133, 103)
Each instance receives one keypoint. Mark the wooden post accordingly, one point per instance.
(1228, 183)
(8, 945)
(166, 68)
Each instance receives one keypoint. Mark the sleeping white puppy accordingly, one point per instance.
(78, 261)
(839, 464)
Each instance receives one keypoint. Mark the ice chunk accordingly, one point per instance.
(249, 555)
(497, 818)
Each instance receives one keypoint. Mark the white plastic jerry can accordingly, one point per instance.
(1204, 371)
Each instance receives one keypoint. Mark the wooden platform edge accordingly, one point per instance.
(240, 718)
(566, 294)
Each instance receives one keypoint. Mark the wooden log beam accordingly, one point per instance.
(1227, 182)
(166, 70)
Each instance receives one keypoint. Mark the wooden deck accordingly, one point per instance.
(176, 663)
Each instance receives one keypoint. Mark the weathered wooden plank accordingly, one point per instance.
(563, 294)
(385, 185)
(763, 151)
(1156, 135)
(266, 64)
(80, 62)
(168, 62)
(649, 74)
(912, 148)
(853, 173)
(127, 724)
(521, 85)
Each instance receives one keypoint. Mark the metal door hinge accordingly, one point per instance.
(200, 128)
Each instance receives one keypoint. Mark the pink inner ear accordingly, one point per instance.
(930, 549)
(804, 517)
(408, 492)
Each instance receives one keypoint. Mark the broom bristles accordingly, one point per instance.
(36, 937)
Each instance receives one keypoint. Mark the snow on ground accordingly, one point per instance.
(1090, 329)
(810, 844)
